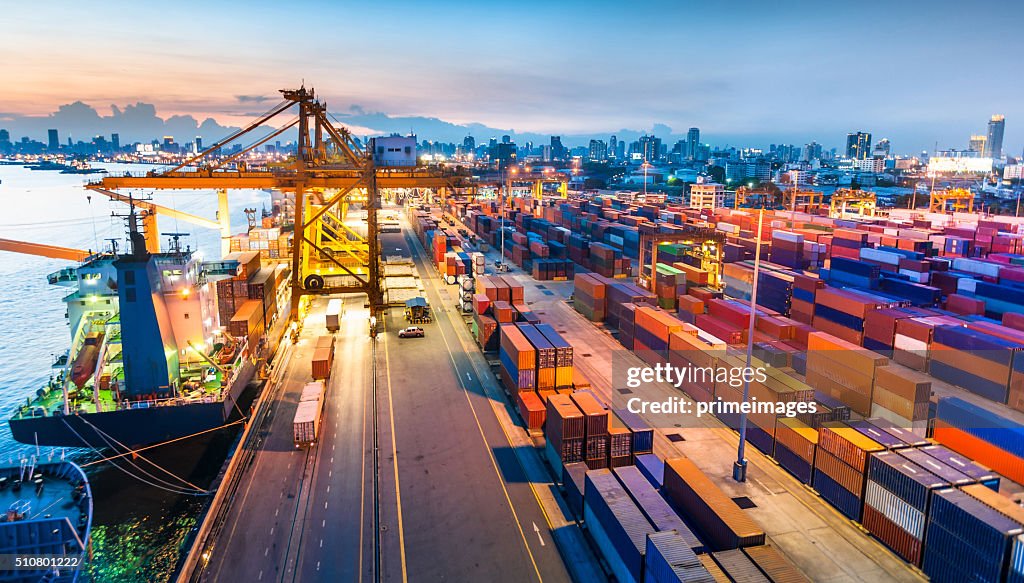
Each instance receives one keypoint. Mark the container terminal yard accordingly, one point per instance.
(444, 375)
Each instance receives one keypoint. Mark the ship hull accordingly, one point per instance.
(132, 427)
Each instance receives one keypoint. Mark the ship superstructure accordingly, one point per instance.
(151, 355)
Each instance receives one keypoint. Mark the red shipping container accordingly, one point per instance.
(532, 410)
(894, 537)
(964, 305)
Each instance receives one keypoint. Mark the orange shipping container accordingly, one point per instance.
(980, 451)
(723, 524)
(798, 437)
(532, 409)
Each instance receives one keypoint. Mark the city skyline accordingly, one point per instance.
(783, 77)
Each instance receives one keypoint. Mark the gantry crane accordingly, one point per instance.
(845, 201)
(330, 170)
(707, 246)
(954, 199)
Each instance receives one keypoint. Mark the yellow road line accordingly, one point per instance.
(394, 456)
(490, 454)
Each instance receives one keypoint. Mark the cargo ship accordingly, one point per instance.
(49, 514)
(162, 346)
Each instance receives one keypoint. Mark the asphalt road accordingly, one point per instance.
(454, 501)
(281, 525)
(468, 511)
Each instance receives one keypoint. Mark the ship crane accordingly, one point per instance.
(329, 170)
(43, 250)
(151, 210)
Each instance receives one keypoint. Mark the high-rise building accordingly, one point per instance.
(613, 147)
(469, 144)
(812, 151)
(620, 150)
(994, 143)
(692, 143)
(506, 139)
(557, 149)
(115, 141)
(882, 149)
(598, 150)
(53, 143)
(977, 145)
(858, 145)
(650, 148)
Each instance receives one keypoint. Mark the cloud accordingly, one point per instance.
(252, 98)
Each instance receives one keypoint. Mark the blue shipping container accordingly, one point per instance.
(909, 481)
(653, 468)
(654, 507)
(843, 500)
(618, 527)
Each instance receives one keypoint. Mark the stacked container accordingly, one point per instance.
(564, 428)
(654, 507)
(589, 296)
(563, 356)
(966, 540)
(981, 435)
(896, 503)
(518, 360)
(840, 465)
(617, 526)
(669, 560)
(842, 370)
(795, 445)
(545, 356)
(721, 523)
(595, 449)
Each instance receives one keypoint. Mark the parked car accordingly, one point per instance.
(411, 332)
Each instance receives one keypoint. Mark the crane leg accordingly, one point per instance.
(224, 218)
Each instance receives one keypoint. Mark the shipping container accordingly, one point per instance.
(722, 524)
(532, 411)
(775, 565)
(306, 423)
(669, 559)
(652, 467)
(739, 567)
(618, 527)
(653, 505)
(966, 540)
(574, 481)
(976, 471)
(643, 434)
(333, 315)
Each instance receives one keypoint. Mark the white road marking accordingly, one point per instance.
(266, 551)
(276, 511)
(330, 473)
(536, 529)
(321, 543)
(332, 447)
(318, 565)
(328, 488)
(325, 505)
(468, 377)
(323, 523)
(332, 459)
(260, 578)
(271, 531)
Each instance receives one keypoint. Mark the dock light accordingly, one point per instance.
(93, 299)
(186, 291)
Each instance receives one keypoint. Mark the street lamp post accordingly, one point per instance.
(507, 192)
(739, 468)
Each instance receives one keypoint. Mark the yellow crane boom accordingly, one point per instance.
(42, 250)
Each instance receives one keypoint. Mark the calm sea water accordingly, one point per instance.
(139, 530)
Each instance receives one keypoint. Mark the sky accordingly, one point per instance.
(746, 73)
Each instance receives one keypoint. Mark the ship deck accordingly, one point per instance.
(84, 401)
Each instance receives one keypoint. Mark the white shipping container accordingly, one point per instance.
(968, 285)
(895, 509)
(976, 266)
(909, 344)
(313, 391)
(333, 315)
(788, 236)
(887, 257)
(306, 424)
(728, 228)
(916, 276)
